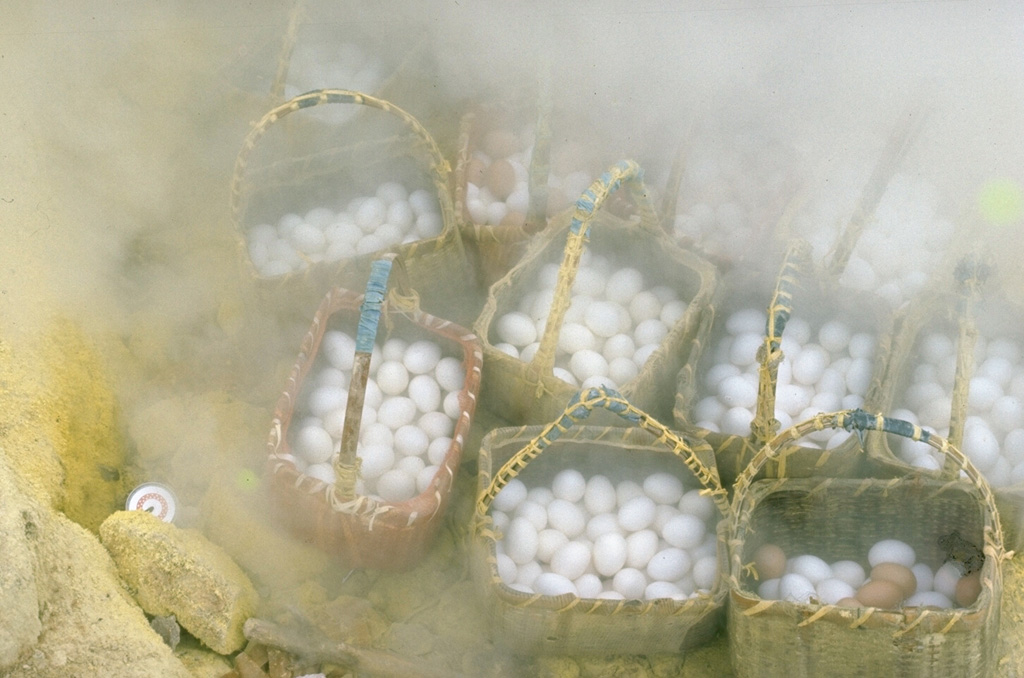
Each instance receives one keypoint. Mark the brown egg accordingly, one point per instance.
(500, 143)
(770, 561)
(901, 575)
(849, 602)
(967, 589)
(500, 179)
(475, 171)
(513, 218)
(880, 593)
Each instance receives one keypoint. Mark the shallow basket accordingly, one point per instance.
(528, 392)
(316, 173)
(840, 519)
(796, 279)
(362, 532)
(568, 624)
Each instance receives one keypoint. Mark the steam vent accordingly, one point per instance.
(548, 338)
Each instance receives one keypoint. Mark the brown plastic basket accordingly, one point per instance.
(528, 392)
(840, 519)
(361, 531)
(568, 624)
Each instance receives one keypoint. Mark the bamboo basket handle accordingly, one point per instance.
(284, 58)
(346, 463)
(440, 170)
(624, 171)
(764, 425)
(860, 421)
(580, 407)
(970, 274)
(896, 146)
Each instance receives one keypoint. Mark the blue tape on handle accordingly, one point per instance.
(611, 179)
(369, 311)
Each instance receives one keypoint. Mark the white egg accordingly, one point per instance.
(521, 541)
(422, 357)
(1007, 413)
(450, 374)
(793, 399)
(569, 484)
(571, 560)
(850, 572)
(438, 450)
(695, 504)
(630, 582)
(396, 412)
(981, 445)
(831, 591)
(672, 312)
(411, 441)
(510, 497)
(738, 391)
(392, 377)
(640, 548)
(928, 599)
(411, 466)
(567, 517)
(575, 337)
(588, 585)
(812, 567)
(425, 392)
(436, 425)
(834, 336)
(669, 564)
(746, 320)
(396, 486)
(743, 349)
(602, 317)
(553, 584)
(946, 578)
(601, 524)
(924, 576)
(308, 239)
(584, 364)
(892, 551)
(663, 488)
(983, 393)
(736, 421)
(810, 364)
(651, 331)
(619, 346)
(516, 328)
(527, 575)
(376, 434)
(565, 375)
(323, 472)
(795, 588)
(609, 554)
(644, 306)
(684, 531)
(451, 405)
(643, 354)
(314, 444)
(637, 513)
(589, 282)
(599, 496)
(718, 373)
(370, 214)
(549, 540)
(324, 399)
(858, 376)
(769, 589)
(705, 571)
(624, 284)
(429, 225)
(622, 371)
(375, 460)
(507, 570)
(541, 495)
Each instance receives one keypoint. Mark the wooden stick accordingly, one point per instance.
(314, 645)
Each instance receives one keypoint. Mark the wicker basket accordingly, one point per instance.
(528, 392)
(358, 530)
(534, 623)
(734, 452)
(317, 175)
(840, 519)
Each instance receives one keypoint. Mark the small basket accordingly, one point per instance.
(358, 530)
(734, 452)
(528, 392)
(316, 175)
(840, 519)
(534, 623)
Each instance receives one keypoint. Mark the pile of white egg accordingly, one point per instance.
(363, 225)
(597, 539)
(895, 579)
(825, 376)
(900, 245)
(497, 181)
(410, 405)
(993, 436)
(320, 64)
(613, 324)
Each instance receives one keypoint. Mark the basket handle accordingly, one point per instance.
(580, 406)
(623, 172)
(769, 355)
(440, 170)
(346, 464)
(858, 420)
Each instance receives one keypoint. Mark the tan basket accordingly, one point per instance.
(524, 392)
(840, 519)
(438, 266)
(534, 623)
(796, 278)
(360, 531)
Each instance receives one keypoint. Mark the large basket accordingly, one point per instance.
(360, 531)
(796, 279)
(840, 519)
(317, 175)
(528, 392)
(534, 623)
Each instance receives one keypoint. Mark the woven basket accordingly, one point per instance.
(534, 623)
(316, 176)
(360, 531)
(796, 278)
(528, 392)
(840, 519)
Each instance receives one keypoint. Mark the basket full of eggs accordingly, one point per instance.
(764, 370)
(622, 314)
(872, 576)
(367, 437)
(320, 211)
(596, 540)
